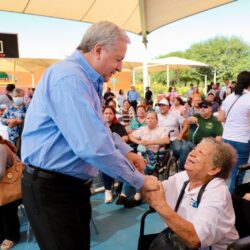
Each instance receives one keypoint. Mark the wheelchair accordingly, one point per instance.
(241, 208)
(166, 165)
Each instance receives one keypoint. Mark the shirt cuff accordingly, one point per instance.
(123, 147)
(137, 180)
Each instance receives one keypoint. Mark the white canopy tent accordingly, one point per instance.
(31, 65)
(131, 66)
(172, 63)
(28, 65)
(137, 16)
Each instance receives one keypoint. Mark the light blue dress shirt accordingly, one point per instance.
(133, 95)
(64, 130)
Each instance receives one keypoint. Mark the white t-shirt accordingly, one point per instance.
(214, 218)
(237, 125)
(144, 133)
(4, 131)
(120, 99)
(171, 121)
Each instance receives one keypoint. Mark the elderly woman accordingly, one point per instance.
(14, 116)
(149, 138)
(210, 222)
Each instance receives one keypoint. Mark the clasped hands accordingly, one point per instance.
(152, 188)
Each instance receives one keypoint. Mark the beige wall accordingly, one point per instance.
(124, 81)
(24, 80)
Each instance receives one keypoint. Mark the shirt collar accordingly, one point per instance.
(78, 56)
(96, 79)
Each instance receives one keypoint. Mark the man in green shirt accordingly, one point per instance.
(204, 124)
(201, 125)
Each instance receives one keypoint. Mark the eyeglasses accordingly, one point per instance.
(161, 105)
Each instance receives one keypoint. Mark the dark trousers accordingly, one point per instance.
(59, 211)
(134, 104)
(9, 222)
(107, 181)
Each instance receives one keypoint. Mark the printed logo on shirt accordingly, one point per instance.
(209, 125)
(193, 203)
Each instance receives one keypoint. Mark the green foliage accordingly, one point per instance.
(227, 55)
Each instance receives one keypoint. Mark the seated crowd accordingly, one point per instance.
(174, 124)
(181, 126)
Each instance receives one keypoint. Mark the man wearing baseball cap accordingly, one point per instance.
(201, 125)
(172, 121)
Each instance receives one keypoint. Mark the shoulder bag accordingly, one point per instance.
(10, 184)
(167, 239)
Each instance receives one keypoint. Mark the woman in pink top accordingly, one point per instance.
(149, 139)
(178, 106)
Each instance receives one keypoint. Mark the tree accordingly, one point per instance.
(227, 55)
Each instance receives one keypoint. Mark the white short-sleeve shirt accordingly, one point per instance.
(171, 121)
(214, 218)
(4, 131)
(237, 125)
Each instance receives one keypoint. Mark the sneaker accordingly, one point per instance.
(108, 196)
(132, 203)
(122, 200)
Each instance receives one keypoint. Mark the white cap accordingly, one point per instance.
(211, 91)
(164, 101)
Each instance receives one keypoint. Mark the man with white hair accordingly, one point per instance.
(173, 121)
(65, 141)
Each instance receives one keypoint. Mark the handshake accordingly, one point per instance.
(153, 193)
(152, 188)
(151, 183)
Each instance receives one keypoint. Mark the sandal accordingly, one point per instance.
(7, 244)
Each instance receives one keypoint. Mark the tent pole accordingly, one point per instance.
(167, 77)
(14, 72)
(205, 84)
(145, 71)
(133, 77)
(33, 80)
(145, 41)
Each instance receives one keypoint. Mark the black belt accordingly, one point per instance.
(53, 175)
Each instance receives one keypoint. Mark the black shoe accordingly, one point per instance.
(122, 200)
(132, 203)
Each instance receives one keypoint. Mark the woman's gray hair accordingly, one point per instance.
(224, 156)
(105, 33)
(152, 112)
